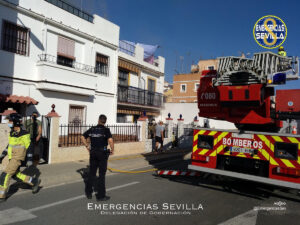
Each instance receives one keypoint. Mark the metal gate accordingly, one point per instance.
(175, 130)
(43, 145)
(46, 121)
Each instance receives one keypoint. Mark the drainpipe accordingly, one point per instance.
(144, 88)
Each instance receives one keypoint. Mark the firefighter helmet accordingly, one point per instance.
(16, 119)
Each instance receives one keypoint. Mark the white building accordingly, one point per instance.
(57, 54)
(140, 82)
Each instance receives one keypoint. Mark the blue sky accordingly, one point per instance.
(195, 29)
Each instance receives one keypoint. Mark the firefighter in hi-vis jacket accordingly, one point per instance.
(17, 149)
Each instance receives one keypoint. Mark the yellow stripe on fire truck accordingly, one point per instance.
(196, 135)
(276, 138)
(221, 147)
(294, 140)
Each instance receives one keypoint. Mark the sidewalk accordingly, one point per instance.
(70, 172)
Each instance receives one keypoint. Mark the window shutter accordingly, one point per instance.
(66, 47)
(102, 59)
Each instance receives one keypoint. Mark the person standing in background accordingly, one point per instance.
(159, 137)
(34, 127)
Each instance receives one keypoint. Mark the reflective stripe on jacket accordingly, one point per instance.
(18, 143)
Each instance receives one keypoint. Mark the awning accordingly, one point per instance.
(17, 99)
(136, 112)
(128, 66)
(129, 112)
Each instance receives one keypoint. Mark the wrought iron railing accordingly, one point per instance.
(70, 134)
(133, 95)
(72, 9)
(72, 64)
(127, 48)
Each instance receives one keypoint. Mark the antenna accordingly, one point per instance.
(188, 56)
(176, 61)
(181, 61)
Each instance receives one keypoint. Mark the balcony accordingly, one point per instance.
(73, 64)
(66, 76)
(136, 53)
(138, 96)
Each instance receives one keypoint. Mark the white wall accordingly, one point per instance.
(95, 105)
(189, 111)
(44, 38)
(101, 28)
(101, 36)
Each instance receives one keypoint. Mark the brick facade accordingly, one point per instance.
(189, 81)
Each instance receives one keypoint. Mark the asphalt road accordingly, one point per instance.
(156, 200)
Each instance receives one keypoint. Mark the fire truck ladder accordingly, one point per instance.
(264, 65)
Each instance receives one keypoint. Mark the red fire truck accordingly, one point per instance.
(264, 147)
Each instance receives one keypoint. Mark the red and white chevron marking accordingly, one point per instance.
(178, 173)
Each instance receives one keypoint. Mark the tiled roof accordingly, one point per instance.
(18, 99)
(8, 112)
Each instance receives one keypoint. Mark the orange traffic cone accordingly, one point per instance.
(294, 130)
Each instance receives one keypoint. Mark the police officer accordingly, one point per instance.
(281, 51)
(17, 149)
(100, 137)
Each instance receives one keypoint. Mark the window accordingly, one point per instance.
(230, 95)
(121, 118)
(101, 64)
(15, 38)
(247, 94)
(151, 85)
(64, 61)
(211, 67)
(205, 141)
(196, 87)
(65, 51)
(77, 115)
(286, 150)
(183, 88)
(123, 77)
(151, 92)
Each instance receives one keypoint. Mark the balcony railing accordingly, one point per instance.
(72, 64)
(71, 9)
(133, 95)
(127, 48)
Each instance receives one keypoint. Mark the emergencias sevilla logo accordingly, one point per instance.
(270, 32)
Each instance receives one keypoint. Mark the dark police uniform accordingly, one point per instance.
(99, 154)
